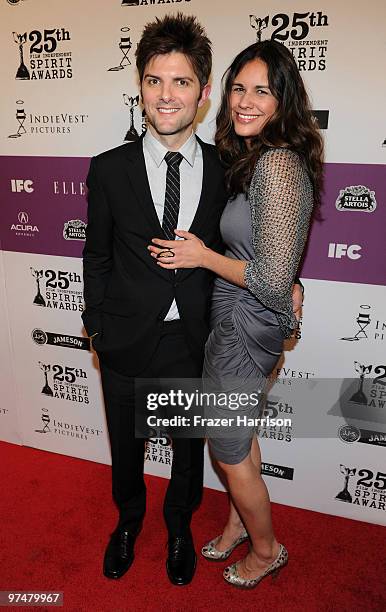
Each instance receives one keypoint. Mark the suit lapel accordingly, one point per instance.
(136, 170)
(206, 198)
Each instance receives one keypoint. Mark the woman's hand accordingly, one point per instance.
(297, 301)
(187, 253)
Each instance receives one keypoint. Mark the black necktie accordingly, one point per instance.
(172, 194)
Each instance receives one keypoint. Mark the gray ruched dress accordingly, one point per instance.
(249, 324)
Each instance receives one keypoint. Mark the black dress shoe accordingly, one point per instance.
(181, 561)
(119, 554)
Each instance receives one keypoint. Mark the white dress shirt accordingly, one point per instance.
(191, 171)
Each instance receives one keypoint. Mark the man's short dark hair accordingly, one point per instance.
(182, 33)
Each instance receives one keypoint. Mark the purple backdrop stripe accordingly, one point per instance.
(349, 245)
(41, 195)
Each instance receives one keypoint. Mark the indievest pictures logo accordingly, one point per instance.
(58, 426)
(124, 46)
(367, 325)
(39, 124)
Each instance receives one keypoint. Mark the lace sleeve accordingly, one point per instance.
(281, 201)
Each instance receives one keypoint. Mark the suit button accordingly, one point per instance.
(175, 284)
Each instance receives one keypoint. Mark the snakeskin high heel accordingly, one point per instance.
(232, 576)
(209, 551)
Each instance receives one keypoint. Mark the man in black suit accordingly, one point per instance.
(146, 321)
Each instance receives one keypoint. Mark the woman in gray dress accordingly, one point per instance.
(272, 150)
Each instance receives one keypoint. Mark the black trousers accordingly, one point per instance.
(172, 359)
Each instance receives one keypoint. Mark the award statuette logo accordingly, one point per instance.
(39, 299)
(363, 320)
(20, 118)
(22, 72)
(46, 389)
(131, 102)
(258, 24)
(345, 494)
(359, 396)
(125, 46)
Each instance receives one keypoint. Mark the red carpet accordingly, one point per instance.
(57, 514)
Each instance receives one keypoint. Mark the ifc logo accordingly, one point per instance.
(39, 336)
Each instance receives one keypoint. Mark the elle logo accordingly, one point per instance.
(20, 185)
(337, 251)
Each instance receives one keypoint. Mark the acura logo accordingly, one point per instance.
(23, 217)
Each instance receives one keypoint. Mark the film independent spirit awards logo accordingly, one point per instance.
(64, 382)
(305, 34)
(43, 54)
(58, 289)
(47, 124)
(364, 400)
(367, 491)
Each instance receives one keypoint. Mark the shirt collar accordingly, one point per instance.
(157, 150)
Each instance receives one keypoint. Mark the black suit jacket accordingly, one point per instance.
(126, 294)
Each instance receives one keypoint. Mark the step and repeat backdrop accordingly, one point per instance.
(70, 91)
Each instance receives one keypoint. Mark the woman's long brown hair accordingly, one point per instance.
(292, 124)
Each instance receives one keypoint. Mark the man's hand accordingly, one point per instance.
(297, 301)
(186, 253)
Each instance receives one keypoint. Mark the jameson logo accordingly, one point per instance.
(43, 54)
(367, 326)
(74, 230)
(76, 342)
(303, 33)
(150, 2)
(351, 434)
(272, 410)
(363, 487)
(356, 198)
(278, 471)
(59, 427)
(158, 450)
(64, 382)
(137, 118)
(58, 289)
(37, 123)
